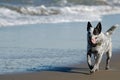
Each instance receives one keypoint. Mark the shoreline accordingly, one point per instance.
(78, 71)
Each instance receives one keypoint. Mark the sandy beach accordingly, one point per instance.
(75, 72)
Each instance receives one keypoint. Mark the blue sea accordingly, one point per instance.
(38, 35)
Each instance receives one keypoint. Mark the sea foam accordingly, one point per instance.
(17, 15)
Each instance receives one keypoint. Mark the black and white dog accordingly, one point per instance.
(97, 44)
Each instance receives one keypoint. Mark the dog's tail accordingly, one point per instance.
(110, 31)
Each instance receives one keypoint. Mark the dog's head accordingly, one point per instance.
(93, 34)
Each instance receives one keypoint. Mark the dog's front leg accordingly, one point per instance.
(89, 60)
(97, 62)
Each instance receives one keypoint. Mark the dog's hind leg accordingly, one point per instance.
(109, 55)
(89, 60)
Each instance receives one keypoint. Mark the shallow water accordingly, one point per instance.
(34, 46)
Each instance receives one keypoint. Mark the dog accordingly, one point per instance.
(98, 43)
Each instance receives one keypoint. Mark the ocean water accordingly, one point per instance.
(20, 12)
(30, 39)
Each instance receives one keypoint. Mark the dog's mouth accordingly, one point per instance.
(93, 40)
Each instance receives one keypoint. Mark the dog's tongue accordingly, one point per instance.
(93, 40)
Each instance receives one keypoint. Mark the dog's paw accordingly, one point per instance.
(91, 67)
(97, 69)
(92, 71)
(107, 68)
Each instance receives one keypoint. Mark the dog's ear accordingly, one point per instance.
(98, 29)
(88, 26)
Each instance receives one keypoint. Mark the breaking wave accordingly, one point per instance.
(11, 15)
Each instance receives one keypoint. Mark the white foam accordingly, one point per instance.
(10, 16)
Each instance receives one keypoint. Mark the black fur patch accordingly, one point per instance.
(96, 32)
(88, 26)
(98, 29)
